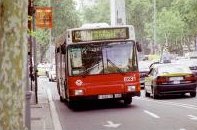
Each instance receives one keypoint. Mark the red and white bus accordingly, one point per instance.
(98, 63)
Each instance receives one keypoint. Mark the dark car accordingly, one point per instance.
(164, 79)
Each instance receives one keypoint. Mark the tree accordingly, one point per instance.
(13, 56)
(139, 13)
(175, 21)
(42, 37)
(64, 17)
(188, 11)
(169, 26)
(98, 13)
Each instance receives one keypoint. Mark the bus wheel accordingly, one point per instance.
(71, 104)
(127, 101)
(147, 94)
(193, 94)
(61, 99)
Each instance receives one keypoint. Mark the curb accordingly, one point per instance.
(55, 117)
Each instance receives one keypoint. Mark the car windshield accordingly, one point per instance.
(167, 69)
(115, 57)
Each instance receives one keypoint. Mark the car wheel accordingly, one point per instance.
(155, 96)
(61, 99)
(72, 104)
(147, 94)
(193, 94)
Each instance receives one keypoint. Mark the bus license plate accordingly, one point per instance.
(105, 96)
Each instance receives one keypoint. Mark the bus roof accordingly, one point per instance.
(99, 34)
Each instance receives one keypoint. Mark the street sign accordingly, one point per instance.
(43, 17)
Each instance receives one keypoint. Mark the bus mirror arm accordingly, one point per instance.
(63, 48)
(139, 47)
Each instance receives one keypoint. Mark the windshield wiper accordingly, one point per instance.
(85, 72)
(114, 65)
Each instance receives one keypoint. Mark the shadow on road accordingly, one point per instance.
(96, 105)
(175, 96)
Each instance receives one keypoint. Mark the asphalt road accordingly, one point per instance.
(168, 113)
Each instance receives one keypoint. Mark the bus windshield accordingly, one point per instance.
(102, 58)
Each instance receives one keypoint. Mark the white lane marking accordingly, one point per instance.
(111, 124)
(182, 129)
(56, 121)
(151, 114)
(169, 103)
(193, 117)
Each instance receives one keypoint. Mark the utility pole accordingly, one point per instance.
(30, 18)
(118, 16)
(35, 57)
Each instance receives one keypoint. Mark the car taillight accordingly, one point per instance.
(190, 78)
(161, 80)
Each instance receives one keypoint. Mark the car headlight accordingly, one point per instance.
(79, 92)
(131, 88)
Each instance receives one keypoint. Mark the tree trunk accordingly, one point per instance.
(13, 56)
(195, 42)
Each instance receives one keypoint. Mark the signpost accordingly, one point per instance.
(43, 17)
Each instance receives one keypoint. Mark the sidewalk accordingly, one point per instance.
(41, 116)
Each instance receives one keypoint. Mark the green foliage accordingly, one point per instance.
(188, 11)
(139, 13)
(64, 16)
(98, 13)
(42, 36)
(169, 26)
(175, 20)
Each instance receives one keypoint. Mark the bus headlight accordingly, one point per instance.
(79, 92)
(131, 88)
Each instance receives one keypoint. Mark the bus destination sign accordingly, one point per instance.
(100, 34)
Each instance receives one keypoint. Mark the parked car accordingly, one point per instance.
(47, 68)
(41, 70)
(170, 78)
(52, 73)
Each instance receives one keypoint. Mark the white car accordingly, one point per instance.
(52, 73)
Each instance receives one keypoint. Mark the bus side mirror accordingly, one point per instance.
(63, 48)
(139, 47)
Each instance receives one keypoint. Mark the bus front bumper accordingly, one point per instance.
(117, 96)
